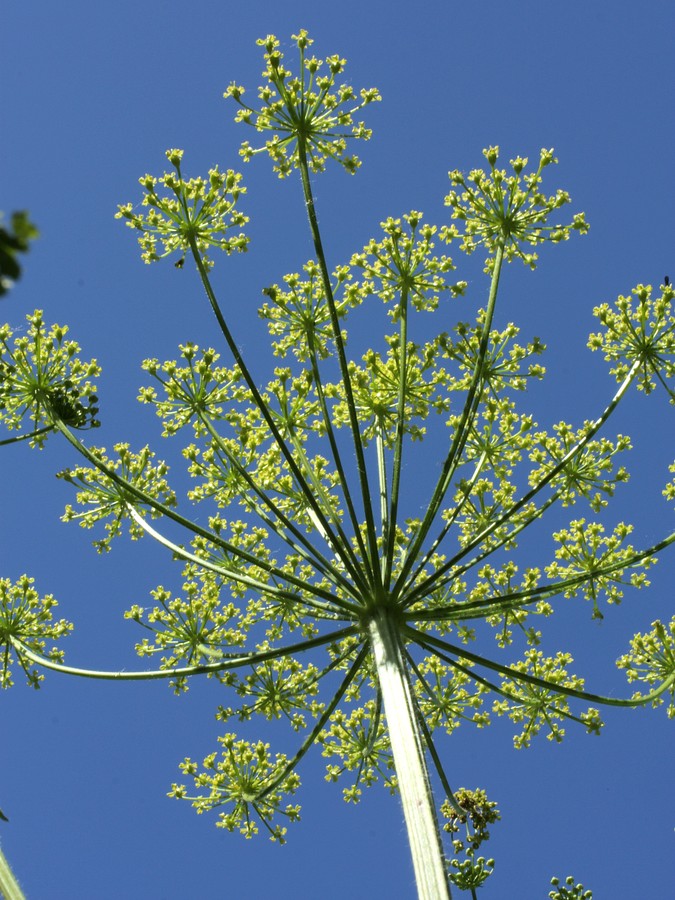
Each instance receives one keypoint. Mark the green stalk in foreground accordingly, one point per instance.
(408, 753)
(9, 886)
(308, 590)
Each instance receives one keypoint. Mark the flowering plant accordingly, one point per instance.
(313, 593)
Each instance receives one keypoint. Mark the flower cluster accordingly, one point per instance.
(499, 436)
(537, 703)
(360, 740)
(197, 213)
(278, 688)
(192, 629)
(652, 660)
(246, 779)
(298, 317)
(197, 390)
(376, 387)
(42, 378)
(583, 468)
(26, 620)
(502, 359)
(595, 562)
(447, 697)
(639, 331)
(475, 812)
(402, 266)
(669, 490)
(569, 891)
(508, 212)
(111, 491)
(309, 115)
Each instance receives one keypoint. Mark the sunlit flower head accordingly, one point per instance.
(193, 214)
(308, 114)
(508, 211)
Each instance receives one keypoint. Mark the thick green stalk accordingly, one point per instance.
(9, 886)
(409, 760)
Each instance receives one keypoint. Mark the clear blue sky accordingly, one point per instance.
(93, 93)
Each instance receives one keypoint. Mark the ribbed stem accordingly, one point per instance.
(409, 760)
(9, 886)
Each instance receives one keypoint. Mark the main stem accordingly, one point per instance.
(9, 886)
(409, 760)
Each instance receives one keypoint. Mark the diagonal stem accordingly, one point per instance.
(9, 886)
(392, 518)
(262, 406)
(344, 369)
(130, 489)
(480, 609)
(24, 437)
(321, 721)
(438, 576)
(453, 457)
(234, 661)
(307, 550)
(311, 604)
(330, 434)
(435, 645)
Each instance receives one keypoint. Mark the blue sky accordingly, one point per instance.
(94, 93)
